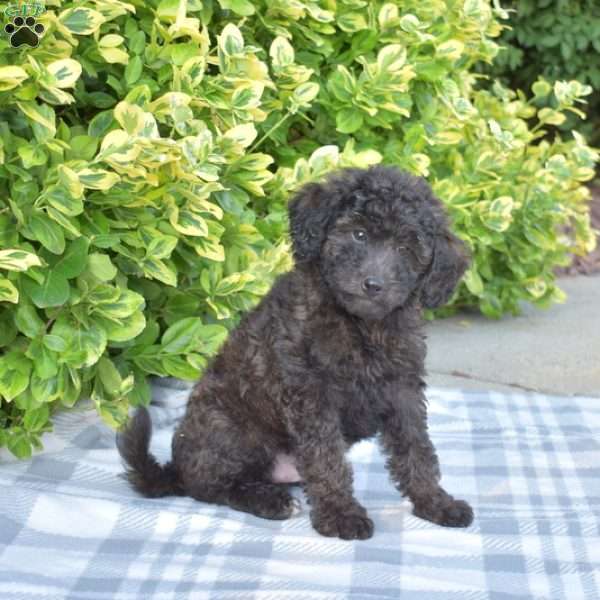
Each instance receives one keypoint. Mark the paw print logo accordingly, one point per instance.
(24, 31)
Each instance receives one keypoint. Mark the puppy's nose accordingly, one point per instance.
(372, 286)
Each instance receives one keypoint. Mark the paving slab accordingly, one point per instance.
(554, 351)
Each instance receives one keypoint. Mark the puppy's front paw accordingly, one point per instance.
(349, 524)
(444, 510)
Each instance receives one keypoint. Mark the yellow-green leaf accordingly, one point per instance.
(245, 8)
(188, 223)
(231, 41)
(11, 76)
(209, 247)
(242, 134)
(70, 181)
(14, 259)
(35, 112)
(8, 292)
(247, 96)
(167, 102)
(473, 281)
(306, 92)
(114, 55)
(59, 197)
(32, 155)
(553, 117)
(351, 22)
(324, 159)
(503, 205)
(112, 40)
(130, 116)
(452, 49)
(541, 88)
(410, 23)
(388, 15)
(66, 72)
(117, 145)
(157, 269)
(448, 137)
(81, 21)
(391, 58)
(536, 286)
(98, 179)
(281, 52)
(233, 283)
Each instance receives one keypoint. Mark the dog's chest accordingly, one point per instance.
(348, 356)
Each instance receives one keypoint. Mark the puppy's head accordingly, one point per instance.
(380, 239)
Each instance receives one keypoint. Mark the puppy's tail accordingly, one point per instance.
(144, 473)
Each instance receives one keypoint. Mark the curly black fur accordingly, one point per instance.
(145, 474)
(332, 355)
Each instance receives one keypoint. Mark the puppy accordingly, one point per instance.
(332, 355)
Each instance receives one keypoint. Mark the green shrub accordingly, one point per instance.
(147, 151)
(557, 39)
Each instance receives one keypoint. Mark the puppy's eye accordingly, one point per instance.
(407, 251)
(359, 235)
(401, 249)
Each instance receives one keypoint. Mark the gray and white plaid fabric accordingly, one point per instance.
(70, 527)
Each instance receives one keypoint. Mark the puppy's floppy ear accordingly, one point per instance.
(450, 261)
(310, 212)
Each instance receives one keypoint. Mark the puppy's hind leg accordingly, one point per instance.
(222, 466)
(264, 499)
(247, 491)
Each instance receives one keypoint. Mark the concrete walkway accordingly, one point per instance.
(555, 351)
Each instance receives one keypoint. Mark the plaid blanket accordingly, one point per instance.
(70, 527)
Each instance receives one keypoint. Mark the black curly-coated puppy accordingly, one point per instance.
(332, 355)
